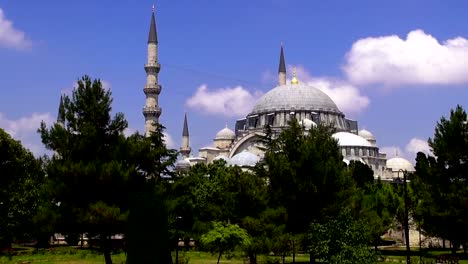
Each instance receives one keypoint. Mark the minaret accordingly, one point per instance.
(282, 69)
(152, 111)
(61, 113)
(185, 148)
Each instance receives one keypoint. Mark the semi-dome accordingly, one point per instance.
(398, 163)
(351, 140)
(349, 159)
(366, 134)
(244, 159)
(225, 133)
(294, 97)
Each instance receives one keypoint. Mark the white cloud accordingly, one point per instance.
(347, 97)
(11, 37)
(170, 143)
(418, 59)
(414, 146)
(418, 145)
(25, 130)
(230, 102)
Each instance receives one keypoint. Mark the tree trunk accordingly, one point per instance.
(252, 258)
(219, 257)
(106, 246)
(177, 253)
(312, 259)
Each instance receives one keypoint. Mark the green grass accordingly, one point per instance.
(70, 255)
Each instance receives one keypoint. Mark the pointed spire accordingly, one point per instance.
(153, 36)
(282, 65)
(185, 132)
(61, 112)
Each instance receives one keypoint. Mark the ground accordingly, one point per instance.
(69, 255)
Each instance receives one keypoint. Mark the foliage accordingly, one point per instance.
(341, 240)
(89, 171)
(440, 183)
(20, 180)
(305, 168)
(224, 238)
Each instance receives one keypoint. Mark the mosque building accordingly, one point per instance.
(287, 101)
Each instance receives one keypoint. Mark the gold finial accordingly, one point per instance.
(294, 79)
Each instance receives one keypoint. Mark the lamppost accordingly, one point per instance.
(406, 224)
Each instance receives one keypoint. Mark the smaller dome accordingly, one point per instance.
(226, 133)
(221, 157)
(366, 134)
(398, 163)
(350, 139)
(244, 159)
(307, 123)
(182, 165)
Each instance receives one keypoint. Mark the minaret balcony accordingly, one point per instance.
(152, 89)
(152, 67)
(152, 111)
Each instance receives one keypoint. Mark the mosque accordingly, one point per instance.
(287, 101)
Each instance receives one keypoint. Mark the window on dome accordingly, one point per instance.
(270, 119)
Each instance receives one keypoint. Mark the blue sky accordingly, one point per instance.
(395, 66)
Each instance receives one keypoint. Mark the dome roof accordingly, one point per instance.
(307, 123)
(294, 97)
(244, 158)
(221, 157)
(398, 163)
(366, 134)
(225, 133)
(350, 139)
(182, 165)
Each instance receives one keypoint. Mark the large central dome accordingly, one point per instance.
(294, 97)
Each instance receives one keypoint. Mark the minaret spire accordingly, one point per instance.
(152, 89)
(185, 148)
(61, 112)
(282, 68)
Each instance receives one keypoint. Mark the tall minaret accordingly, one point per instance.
(61, 113)
(152, 111)
(282, 69)
(185, 148)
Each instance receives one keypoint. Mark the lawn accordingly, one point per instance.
(63, 254)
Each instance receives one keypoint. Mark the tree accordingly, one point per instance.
(147, 233)
(342, 240)
(20, 180)
(440, 183)
(306, 175)
(224, 238)
(89, 170)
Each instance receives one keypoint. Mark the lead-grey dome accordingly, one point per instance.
(294, 97)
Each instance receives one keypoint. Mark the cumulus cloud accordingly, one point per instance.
(11, 37)
(414, 146)
(170, 143)
(418, 145)
(24, 129)
(418, 59)
(230, 102)
(347, 97)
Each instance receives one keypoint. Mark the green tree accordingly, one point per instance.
(147, 233)
(224, 238)
(20, 180)
(341, 239)
(440, 183)
(89, 170)
(306, 175)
